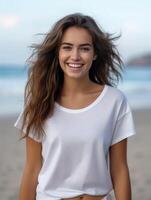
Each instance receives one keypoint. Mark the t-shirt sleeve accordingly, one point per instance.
(124, 126)
(18, 125)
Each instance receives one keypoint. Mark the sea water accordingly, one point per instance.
(136, 85)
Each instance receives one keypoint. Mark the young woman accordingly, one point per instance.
(76, 124)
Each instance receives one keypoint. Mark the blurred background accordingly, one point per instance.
(20, 24)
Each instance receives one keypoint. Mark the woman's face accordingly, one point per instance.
(76, 52)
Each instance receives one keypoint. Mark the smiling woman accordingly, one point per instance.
(73, 118)
(76, 52)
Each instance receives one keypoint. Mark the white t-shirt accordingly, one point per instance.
(75, 149)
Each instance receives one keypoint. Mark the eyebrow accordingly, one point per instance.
(85, 44)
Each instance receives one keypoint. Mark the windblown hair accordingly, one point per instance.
(45, 76)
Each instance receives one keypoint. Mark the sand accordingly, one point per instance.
(12, 157)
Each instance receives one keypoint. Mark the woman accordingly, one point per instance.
(76, 124)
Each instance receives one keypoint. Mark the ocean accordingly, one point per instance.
(136, 85)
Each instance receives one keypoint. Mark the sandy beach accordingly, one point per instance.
(12, 154)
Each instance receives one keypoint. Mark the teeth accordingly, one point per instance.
(75, 65)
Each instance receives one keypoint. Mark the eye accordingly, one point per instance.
(85, 48)
(66, 47)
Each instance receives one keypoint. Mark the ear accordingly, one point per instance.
(94, 58)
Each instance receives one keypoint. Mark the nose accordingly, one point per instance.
(75, 54)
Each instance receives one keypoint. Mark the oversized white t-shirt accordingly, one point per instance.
(75, 149)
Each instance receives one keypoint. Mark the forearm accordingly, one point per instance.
(28, 186)
(121, 184)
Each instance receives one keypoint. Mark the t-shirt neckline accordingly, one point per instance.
(96, 101)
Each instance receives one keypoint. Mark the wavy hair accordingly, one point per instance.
(45, 76)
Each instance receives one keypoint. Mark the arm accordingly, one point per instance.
(119, 171)
(32, 167)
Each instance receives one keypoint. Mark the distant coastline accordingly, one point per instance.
(143, 60)
(140, 61)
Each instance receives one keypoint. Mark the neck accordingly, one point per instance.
(75, 86)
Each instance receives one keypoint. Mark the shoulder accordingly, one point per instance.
(116, 93)
(117, 97)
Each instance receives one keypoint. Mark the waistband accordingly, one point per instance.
(108, 197)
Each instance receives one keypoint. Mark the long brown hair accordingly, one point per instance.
(45, 76)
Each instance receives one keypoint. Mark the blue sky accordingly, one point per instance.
(20, 21)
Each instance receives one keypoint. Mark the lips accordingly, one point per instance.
(75, 65)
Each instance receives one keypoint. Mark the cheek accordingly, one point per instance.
(89, 58)
(62, 57)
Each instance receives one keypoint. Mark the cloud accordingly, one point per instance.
(131, 27)
(8, 21)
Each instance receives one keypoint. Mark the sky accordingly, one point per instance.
(21, 21)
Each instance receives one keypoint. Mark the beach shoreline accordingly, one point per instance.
(12, 153)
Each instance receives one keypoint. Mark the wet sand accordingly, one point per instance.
(12, 156)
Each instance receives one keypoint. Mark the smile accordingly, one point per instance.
(74, 65)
